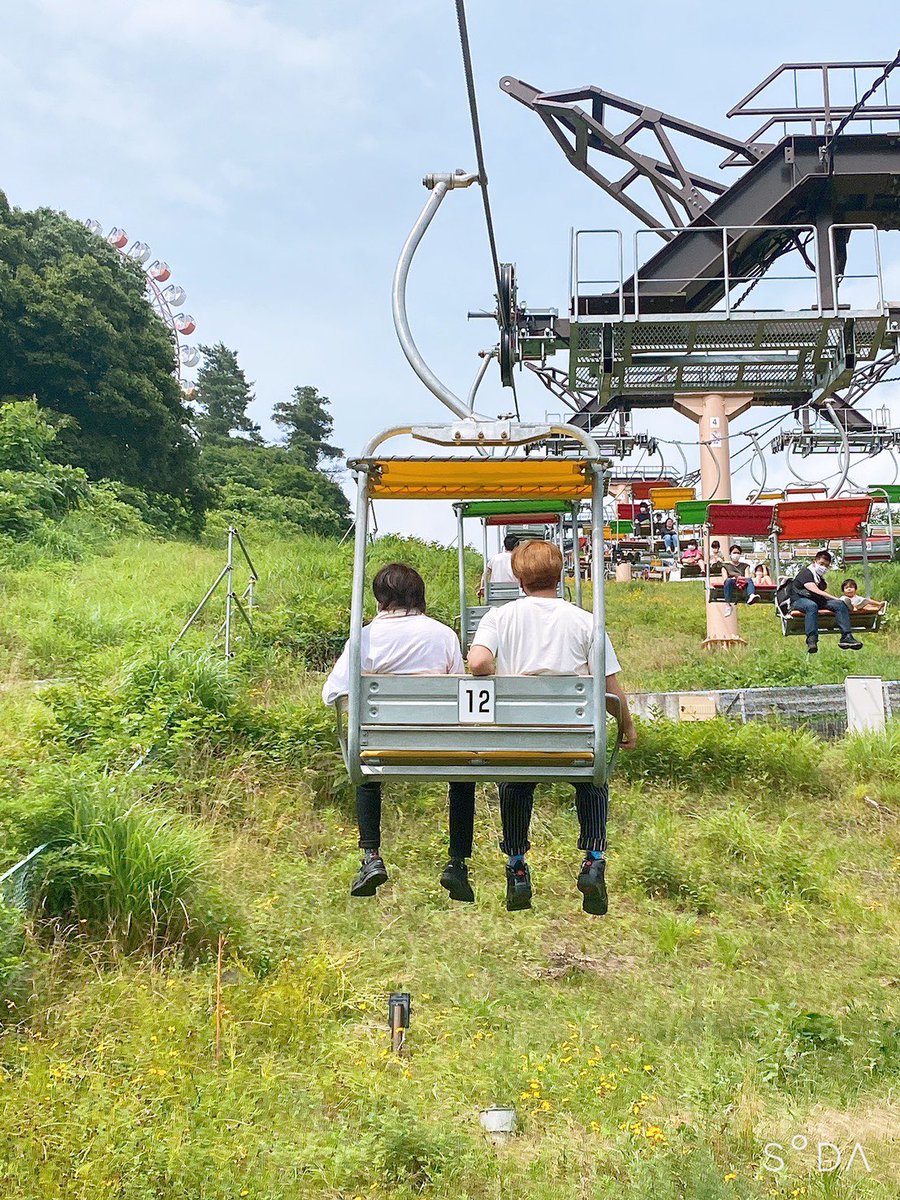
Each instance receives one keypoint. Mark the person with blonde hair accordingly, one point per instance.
(541, 634)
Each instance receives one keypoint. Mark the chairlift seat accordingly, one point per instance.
(764, 594)
(878, 549)
(543, 729)
(794, 625)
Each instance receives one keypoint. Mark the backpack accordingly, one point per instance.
(784, 596)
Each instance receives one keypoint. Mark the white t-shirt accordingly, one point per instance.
(540, 635)
(500, 568)
(398, 644)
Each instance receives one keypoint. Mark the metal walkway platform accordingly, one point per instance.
(781, 358)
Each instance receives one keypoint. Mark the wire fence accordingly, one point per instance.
(821, 709)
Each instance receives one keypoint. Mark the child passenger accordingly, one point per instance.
(402, 640)
(850, 595)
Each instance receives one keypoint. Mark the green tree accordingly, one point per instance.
(222, 396)
(77, 333)
(306, 423)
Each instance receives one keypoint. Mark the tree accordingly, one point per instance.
(77, 333)
(306, 424)
(222, 396)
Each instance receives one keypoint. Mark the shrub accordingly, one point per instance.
(125, 868)
(721, 752)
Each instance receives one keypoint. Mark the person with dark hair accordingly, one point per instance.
(402, 640)
(736, 574)
(809, 594)
(541, 634)
(861, 604)
(498, 569)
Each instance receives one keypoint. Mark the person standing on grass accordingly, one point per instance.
(402, 640)
(499, 569)
(809, 594)
(540, 634)
(736, 574)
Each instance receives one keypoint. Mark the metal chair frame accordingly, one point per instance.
(544, 727)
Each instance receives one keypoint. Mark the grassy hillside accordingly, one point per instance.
(742, 991)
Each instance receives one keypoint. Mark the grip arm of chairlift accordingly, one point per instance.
(438, 186)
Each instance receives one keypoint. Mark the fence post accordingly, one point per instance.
(229, 580)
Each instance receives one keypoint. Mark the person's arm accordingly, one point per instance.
(481, 661)
(485, 576)
(628, 737)
(338, 682)
(818, 591)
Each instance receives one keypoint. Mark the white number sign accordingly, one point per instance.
(476, 701)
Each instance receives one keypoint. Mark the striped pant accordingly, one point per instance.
(517, 802)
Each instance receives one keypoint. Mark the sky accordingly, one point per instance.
(273, 154)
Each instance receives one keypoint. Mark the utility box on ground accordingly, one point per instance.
(865, 704)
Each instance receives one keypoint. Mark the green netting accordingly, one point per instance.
(878, 491)
(499, 508)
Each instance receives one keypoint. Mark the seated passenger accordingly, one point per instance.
(692, 556)
(670, 536)
(541, 634)
(498, 569)
(401, 640)
(761, 576)
(809, 594)
(715, 557)
(736, 574)
(850, 595)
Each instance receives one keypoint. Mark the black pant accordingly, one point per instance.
(517, 801)
(461, 797)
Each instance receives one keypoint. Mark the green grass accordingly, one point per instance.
(743, 989)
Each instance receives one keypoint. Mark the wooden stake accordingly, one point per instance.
(219, 958)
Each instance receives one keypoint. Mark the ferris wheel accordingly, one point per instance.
(165, 298)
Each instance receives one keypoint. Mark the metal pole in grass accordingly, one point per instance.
(229, 594)
(219, 958)
(399, 1010)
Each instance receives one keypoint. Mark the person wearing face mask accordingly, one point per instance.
(810, 594)
(736, 574)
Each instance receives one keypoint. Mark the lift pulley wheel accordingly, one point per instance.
(507, 319)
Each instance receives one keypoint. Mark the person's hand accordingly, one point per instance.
(480, 592)
(628, 740)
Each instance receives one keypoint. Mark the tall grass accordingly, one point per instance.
(125, 869)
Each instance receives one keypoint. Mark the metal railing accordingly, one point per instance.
(242, 603)
(730, 236)
(727, 239)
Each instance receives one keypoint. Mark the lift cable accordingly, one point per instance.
(476, 133)
(827, 151)
(504, 316)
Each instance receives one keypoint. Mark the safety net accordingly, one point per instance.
(820, 520)
(484, 479)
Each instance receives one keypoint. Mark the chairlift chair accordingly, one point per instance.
(521, 728)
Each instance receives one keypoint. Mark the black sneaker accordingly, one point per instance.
(370, 876)
(455, 878)
(592, 885)
(812, 645)
(518, 887)
(849, 642)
